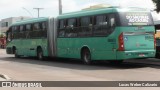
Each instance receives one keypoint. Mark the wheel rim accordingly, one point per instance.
(87, 57)
(15, 53)
(40, 55)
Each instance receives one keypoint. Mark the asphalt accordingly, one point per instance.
(2, 77)
(29, 69)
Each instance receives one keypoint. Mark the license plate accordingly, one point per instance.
(141, 55)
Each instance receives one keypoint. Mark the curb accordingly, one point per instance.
(5, 77)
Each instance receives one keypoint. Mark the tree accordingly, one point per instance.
(157, 3)
(1, 35)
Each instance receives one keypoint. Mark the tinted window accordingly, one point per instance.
(85, 21)
(21, 28)
(44, 26)
(36, 26)
(101, 20)
(17, 28)
(28, 27)
(104, 25)
(101, 25)
(85, 29)
(71, 29)
(61, 30)
(71, 23)
(61, 24)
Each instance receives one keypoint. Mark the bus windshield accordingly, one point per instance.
(135, 19)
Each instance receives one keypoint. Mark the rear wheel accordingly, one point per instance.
(86, 57)
(15, 53)
(40, 54)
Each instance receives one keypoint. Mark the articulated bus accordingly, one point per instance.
(113, 34)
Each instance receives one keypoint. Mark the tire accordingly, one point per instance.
(86, 57)
(40, 54)
(16, 54)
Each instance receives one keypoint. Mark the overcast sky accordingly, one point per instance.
(15, 8)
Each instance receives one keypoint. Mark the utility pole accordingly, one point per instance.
(38, 9)
(60, 7)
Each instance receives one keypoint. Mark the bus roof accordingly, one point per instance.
(101, 11)
(33, 20)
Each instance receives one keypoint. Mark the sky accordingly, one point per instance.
(15, 8)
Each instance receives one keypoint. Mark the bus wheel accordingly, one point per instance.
(40, 54)
(86, 57)
(16, 54)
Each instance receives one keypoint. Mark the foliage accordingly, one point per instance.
(2, 35)
(157, 3)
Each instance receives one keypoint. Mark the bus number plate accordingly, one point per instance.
(141, 55)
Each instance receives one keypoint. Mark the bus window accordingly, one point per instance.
(85, 21)
(61, 30)
(28, 27)
(43, 29)
(71, 28)
(44, 26)
(112, 20)
(61, 24)
(36, 26)
(9, 35)
(85, 26)
(21, 28)
(13, 29)
(17, 29)
(101, 25)
(112, 23)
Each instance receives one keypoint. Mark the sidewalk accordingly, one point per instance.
(2, 51)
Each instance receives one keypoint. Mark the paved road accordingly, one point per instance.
(29, 69)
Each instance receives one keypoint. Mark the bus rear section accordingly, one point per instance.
(136, 35)
(136, 45)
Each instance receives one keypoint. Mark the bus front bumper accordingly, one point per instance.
(122, 55)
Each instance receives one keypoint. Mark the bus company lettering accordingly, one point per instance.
(14, 84)
(137, 18)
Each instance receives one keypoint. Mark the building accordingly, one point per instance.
(5, 23)
(157, 27)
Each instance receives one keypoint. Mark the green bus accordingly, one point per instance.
(113, 34)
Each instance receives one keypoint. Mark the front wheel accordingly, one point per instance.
(40, 54)
(86, 57)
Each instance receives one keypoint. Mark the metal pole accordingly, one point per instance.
(60, 7)
(38, 9)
